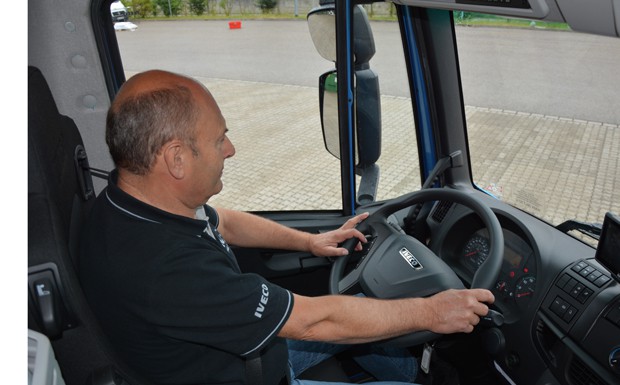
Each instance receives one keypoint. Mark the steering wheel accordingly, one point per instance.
(399, 266)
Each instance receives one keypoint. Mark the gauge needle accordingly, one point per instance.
(523, 294)
(471, 253)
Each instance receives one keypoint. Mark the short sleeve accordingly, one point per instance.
(203, 299)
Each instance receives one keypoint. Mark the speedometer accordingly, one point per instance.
(475, 251)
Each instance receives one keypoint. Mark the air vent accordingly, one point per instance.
(580, 374)
(441, 210)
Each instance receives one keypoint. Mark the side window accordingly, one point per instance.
(264, 75)
(542, 117)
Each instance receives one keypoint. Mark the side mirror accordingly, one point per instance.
(321, 22)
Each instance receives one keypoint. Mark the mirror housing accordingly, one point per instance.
(367, 134)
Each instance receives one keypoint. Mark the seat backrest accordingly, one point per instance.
(59, 196)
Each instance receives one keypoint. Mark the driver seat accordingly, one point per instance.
(60, 194)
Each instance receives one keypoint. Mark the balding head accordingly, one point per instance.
(151, 109)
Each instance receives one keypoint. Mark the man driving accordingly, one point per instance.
(157, 268)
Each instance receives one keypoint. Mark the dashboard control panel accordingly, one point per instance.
(572, 290)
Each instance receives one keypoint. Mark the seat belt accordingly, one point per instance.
(254, 372)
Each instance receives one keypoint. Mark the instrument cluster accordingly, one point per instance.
(516, 283)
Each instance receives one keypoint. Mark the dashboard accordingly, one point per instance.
(561, 306)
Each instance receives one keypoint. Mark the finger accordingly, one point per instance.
(483, 295)
(470, 322)
(340, 252)
(352, 233)
(352, 222)
(357, 234)
(482, 310)
(475, 320)
(358, 245)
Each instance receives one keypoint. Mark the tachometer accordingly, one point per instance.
(476, 251)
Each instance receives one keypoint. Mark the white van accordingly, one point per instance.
(119, 12)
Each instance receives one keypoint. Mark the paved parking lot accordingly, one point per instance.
(534, 160)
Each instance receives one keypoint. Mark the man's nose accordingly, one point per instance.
(230, 149)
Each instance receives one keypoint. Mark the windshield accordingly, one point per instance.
(265, 74)
(542, 115)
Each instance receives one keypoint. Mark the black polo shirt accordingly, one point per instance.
(169, 293)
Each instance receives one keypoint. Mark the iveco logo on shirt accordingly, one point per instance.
(413, 261)
(264, 298)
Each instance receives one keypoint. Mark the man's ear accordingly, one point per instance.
(174, 158)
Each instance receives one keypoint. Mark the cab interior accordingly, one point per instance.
(557, 311)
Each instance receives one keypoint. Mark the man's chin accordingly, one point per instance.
(218, 188)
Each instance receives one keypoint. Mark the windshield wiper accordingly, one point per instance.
(593, 230)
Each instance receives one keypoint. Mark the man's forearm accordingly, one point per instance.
(248, 230)
(345, 319)
(349, 320)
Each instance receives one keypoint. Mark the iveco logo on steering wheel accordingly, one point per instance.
(413, 261)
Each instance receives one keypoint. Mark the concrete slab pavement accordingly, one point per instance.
(535, 161)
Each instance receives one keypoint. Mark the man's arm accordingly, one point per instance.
(348, 319)
(248, 230)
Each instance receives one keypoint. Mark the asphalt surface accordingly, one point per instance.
(514, 69)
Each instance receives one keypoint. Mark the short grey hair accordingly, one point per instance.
(137, 127)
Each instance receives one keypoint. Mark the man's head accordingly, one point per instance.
(150, 109)
(169, 126)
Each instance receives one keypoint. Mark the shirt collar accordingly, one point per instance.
(145, 212)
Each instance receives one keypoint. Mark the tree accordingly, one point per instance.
(198, 7)
(226, 5)
(141, 8)
(169, 7)
(266, 6)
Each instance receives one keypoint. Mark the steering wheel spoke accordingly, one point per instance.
(349, 280)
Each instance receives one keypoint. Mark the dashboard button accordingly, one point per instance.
(570, 285)
(559, 306)
(570, 314)
(586, 271)
(594, 275)
(584, 295)
(578, 267)
(577, 290)
(602, 280)
(563, 280)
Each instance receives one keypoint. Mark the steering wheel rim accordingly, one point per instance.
(438, 279)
